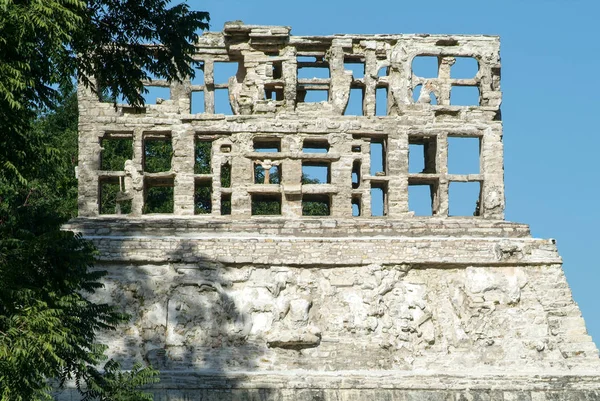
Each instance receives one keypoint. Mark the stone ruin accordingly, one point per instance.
(248, 280)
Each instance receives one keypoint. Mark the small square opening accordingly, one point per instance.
(425, 66)
(269, 145)
(115, 151)
(202, 156)
(464, 95)
(266, 205)
(159, 196)
(464, 198)
(223, 71)
(356, 66)
(158, 153)
(316, 205)
(315, 146)
(203, 197)
(112, 198)
(316, 173)
(464, 68)
(464, 155)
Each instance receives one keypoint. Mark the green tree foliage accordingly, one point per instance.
(47, 325)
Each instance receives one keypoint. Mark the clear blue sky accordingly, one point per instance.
(551, 84)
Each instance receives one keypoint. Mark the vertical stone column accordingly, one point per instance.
(441, 198)
(291, 182)
(341, 176)
(370, 97)
(365, 170)
(137, 201)
(492, 169)
(209, 87)
(445, 87)
(289, 69)
(398, 175)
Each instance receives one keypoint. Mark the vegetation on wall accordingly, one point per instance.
(47, 325)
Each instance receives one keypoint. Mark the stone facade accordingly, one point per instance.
(247, 281)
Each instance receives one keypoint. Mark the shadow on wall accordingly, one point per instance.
(184, 317)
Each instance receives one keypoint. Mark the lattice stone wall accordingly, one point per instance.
(249, 276)
(216, 165)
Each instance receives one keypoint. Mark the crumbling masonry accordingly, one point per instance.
(271, 254)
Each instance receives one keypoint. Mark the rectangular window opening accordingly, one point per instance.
(159, 196)
(425, 66)
(464, 198)
(356, 206)
(316, 173)
(316, 205)
(222, 105)
(312, 95)
(464, 95)
(378, 152)
(156, 94)
(225, 204)
(203, 197)
(197, 104)
(263, 175)
(357, 68)
(356, 148)
(224, 70)
(226, 175)
(356, 174)
(315, 146)
(277, 69)
(464, 155)
(273, 93)
(266, 205)
(421, 199)
(158, 153)
(198, 67)
(269, 145)
(114, 153)
(422, 155)
(112, 199)
(381, 101)
(378, 199)
(464, 68)
(202, 156)
(310, 67)
(355, 103)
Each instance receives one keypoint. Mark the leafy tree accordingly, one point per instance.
(47, 326)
